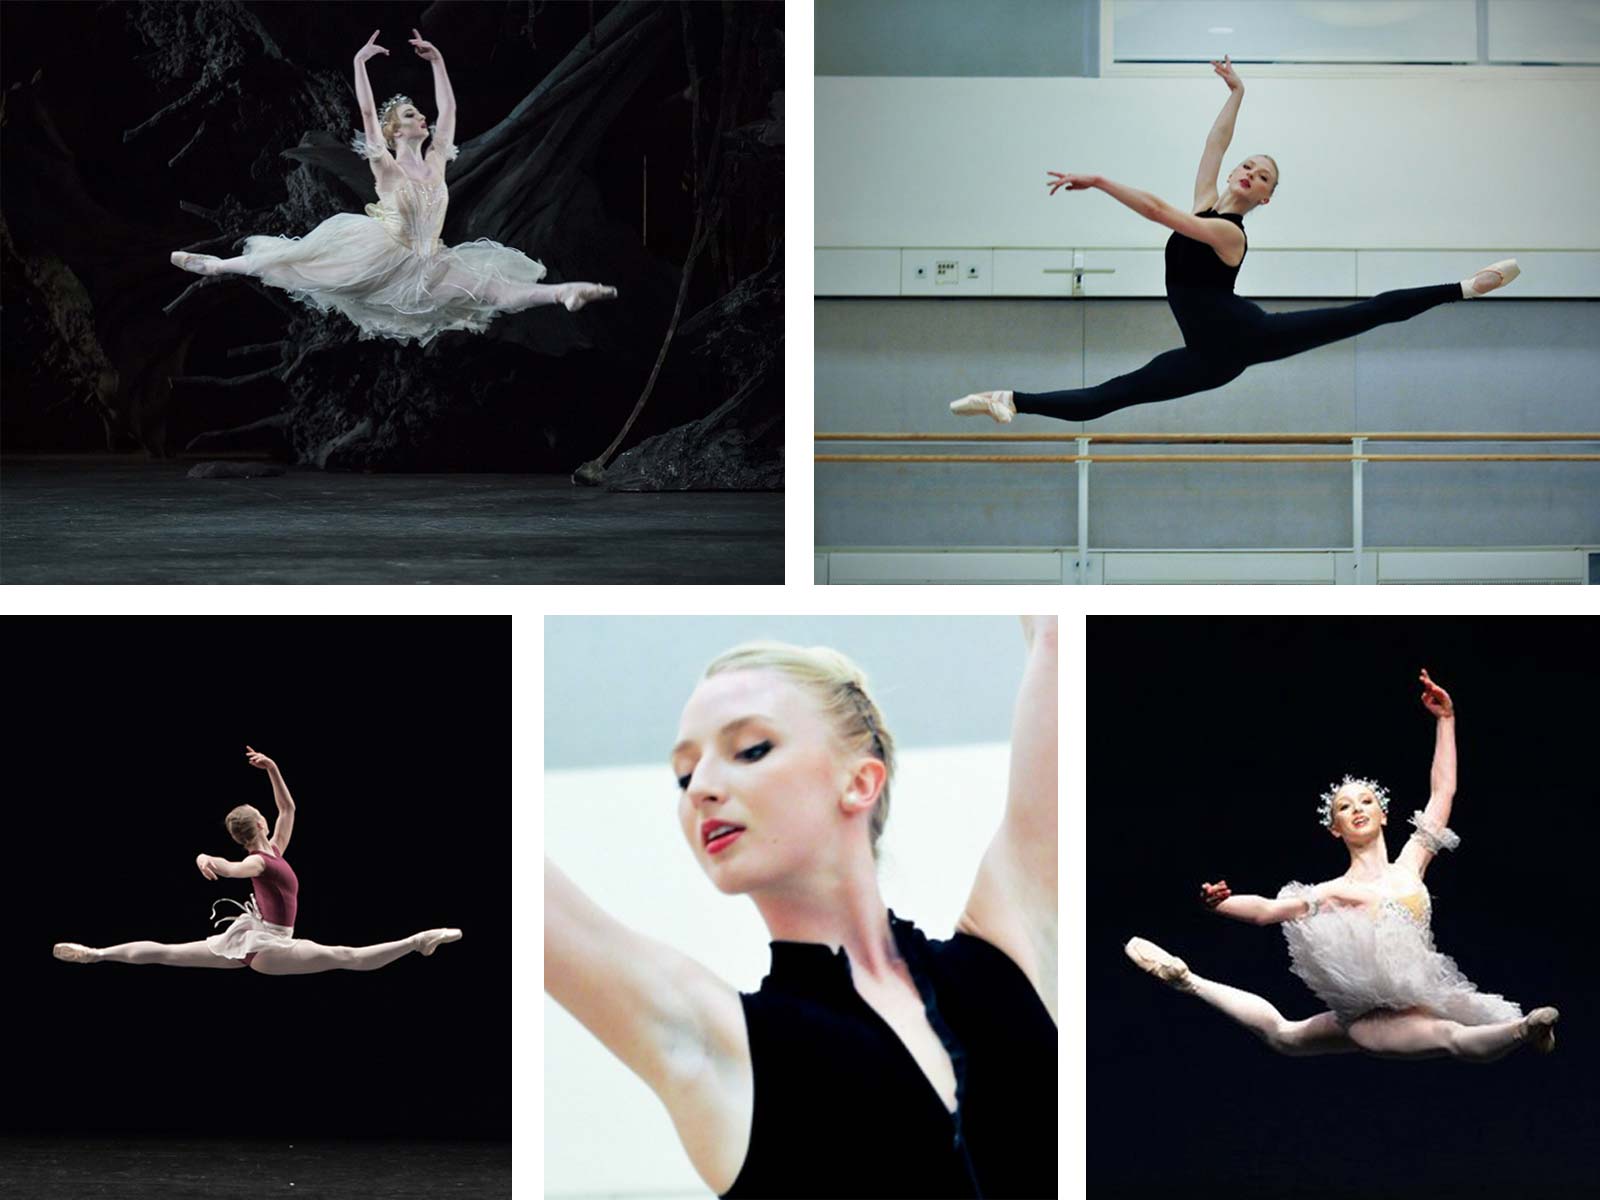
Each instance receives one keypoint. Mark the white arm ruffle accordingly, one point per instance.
(450, 150)
(1434, 836)
(367, 149)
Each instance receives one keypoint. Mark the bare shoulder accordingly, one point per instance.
(252, 865)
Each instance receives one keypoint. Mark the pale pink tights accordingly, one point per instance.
(1384, 1034)
(303, 958)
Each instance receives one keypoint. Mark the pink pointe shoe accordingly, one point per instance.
(998, 405)
(1494, 276)
(576, 295)
(72, 952)
(199, 264)
(1168, 968)
(433, 938)
(1539, 1027)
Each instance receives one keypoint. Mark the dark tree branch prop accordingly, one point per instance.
(706, 204)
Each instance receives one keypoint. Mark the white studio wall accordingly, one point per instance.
(614, 831)
(1452, 162)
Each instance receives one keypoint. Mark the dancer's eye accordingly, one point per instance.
(755, 753)
(683, 782)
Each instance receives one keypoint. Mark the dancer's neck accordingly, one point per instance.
(1368, 862)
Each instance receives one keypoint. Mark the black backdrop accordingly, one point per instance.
(123, 751)
(1209, 743)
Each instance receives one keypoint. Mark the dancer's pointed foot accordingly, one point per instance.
(998, 405)
(576, 295)
(1496, 275)
(1168, 968)
(72, 952)
(432, 939)
(200, 264)
(1539, 1029)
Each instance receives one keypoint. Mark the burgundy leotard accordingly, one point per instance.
(277, 890)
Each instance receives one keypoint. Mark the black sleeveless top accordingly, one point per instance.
(1192, 264)
(843, 1110)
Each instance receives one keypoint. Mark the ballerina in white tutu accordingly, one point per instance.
(388, 271)
(1363, 942)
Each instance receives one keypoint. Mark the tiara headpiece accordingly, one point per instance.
(390, 103)
(1377, 789)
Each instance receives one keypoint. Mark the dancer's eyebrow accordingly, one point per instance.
(732, 725)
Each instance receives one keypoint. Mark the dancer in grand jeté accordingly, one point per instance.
(1363, 941)
(388, 271)
(261, 937)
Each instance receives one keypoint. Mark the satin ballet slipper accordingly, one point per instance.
(198, 264)
(998, 405)
(434, 938)
(1506, 269)
(1539, 1029)
(1168, 968)
(576, 295)
(72, 952)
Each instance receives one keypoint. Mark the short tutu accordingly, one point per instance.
(1358, 960)
(246, 933)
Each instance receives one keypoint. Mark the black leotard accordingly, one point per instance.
(1224, 333)
(842, 1108)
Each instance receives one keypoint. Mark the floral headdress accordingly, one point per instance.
(1377, 789)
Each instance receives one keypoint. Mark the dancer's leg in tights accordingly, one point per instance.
(1422, 1035)
(1267, 338)
(308, 958)
(1166, 377)
(1320, 1034)
(1279, 335)
(182, 954)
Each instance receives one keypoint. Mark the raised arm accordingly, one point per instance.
(1013, 900)
(1219, 139)
(444, 99)
(364, 100)
(1420, 849)
(283, 828)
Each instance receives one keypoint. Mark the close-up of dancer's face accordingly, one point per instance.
(410, 123)
(1357, 814)
(755, 750)
(1254, 179)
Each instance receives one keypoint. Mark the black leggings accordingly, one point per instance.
(1224, 334)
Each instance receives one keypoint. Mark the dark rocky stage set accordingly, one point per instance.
(637, 143)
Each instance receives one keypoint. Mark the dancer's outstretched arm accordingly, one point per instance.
(1257, 910)
(364, 100)
(1442, 780)
(1213, 231)
(1013, 900)
(283, 828)
(211, 867)
(444, 98)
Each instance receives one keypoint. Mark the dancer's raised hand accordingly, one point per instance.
(256, 759)
(1073, 183)
(1213, 894)
(203, 861)
(1434, 698)
(1229, 75)
(371, 49)
(425, 49)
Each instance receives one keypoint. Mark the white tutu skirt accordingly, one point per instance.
(1357, 961)
(247, 932)
(359, 266)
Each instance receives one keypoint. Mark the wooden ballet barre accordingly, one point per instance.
(1243, 439)
(1197, 458)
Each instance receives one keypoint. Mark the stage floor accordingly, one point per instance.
(161, 1169)
(116, 521)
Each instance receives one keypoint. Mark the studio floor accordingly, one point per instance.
(165, 1169)
(90, 521)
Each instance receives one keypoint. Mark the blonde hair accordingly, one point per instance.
(1277, 175)
(840, 689)
(241, 823)
(391, 122)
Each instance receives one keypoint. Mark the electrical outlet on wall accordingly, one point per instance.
(946, 271)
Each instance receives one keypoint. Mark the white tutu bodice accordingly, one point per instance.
(387, 270)
(1361, 957)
